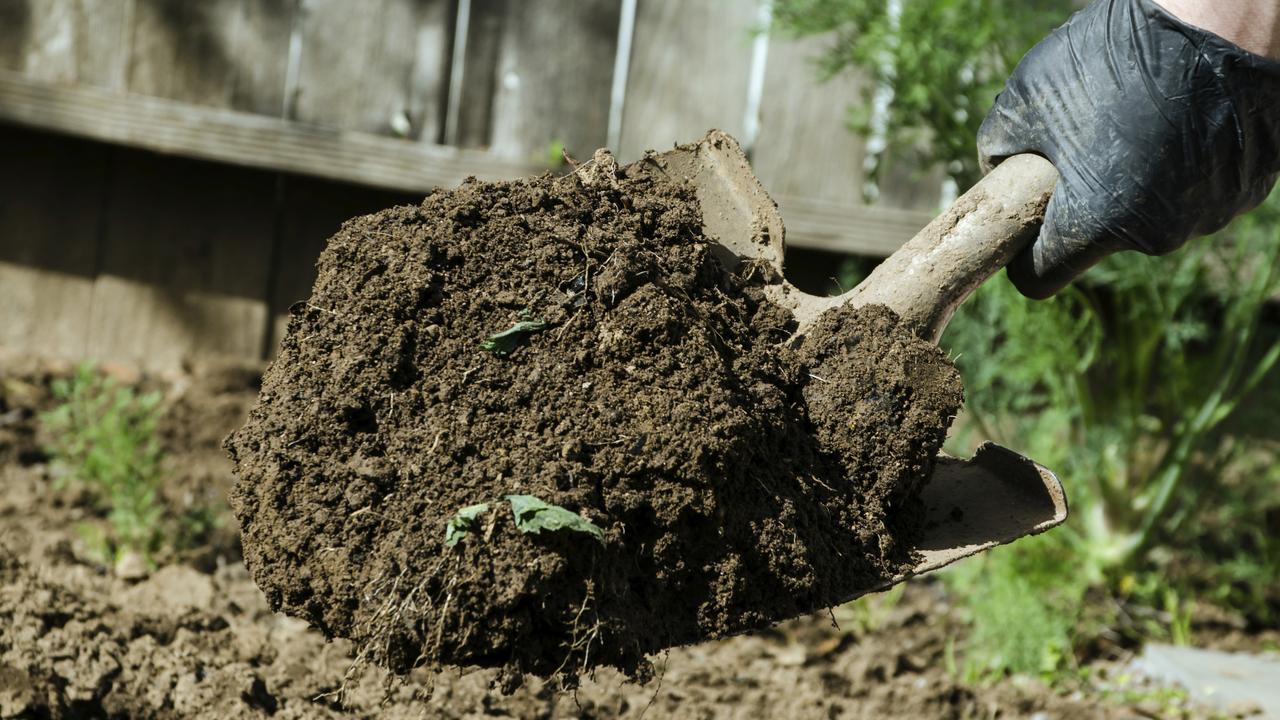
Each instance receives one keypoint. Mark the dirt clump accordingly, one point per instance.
(68, 655)
(575, 340)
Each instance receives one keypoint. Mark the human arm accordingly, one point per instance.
(1160, 130)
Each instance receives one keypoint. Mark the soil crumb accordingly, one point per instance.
(573, 340)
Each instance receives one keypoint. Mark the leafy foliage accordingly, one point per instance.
(1229, 548)
(943, 60)
(104, 437)
(1123, 384)
(463, 522)
(505, 342)
(1122, 381)
(1023, 605)
(534, 516)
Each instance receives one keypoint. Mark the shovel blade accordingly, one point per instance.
(737, 213)
(993, 498)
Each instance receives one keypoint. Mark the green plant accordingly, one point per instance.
(103, 436)
(943, 61)
(463, 523)
(1121, 385)
(1023, 604)
(1179, 617)
(1229, 549)
(553, 155)
(869, 612)
(534, 516)
(503, 343)
(1155, 701)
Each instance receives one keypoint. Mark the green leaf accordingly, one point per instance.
(463, 522)
(504, 342)
(534, 515)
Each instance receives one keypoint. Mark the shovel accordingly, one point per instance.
(995, 497)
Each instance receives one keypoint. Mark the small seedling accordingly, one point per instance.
(463, 522)
(534, 515)
(504, 342)
(104, 436)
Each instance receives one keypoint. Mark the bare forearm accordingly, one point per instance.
(1252, 24)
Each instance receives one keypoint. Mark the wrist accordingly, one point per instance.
(1254, 25)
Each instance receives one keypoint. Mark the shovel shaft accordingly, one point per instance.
(926, 279)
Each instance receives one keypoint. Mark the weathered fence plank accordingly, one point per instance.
(243, 138)
(187, 245)
(67, 41)
(376, 66)
(903, 184)
(846, 227)
(805, 147)
(49, 219)
(476, 77)
(553, 69)
(690, 68)
(183, 261)
(219, 53)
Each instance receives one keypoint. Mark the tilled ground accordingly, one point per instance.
(195, 638)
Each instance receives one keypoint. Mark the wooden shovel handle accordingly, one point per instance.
(926, 279)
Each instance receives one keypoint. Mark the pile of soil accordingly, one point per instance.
(738, 478)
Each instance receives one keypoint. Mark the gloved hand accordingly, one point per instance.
(1161, 132)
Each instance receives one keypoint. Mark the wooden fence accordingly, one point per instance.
(169, 169)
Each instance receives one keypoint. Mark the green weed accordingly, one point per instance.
(534, 516)
(553, 155)
(463, 522)
(505, 342)
(103, 436)
(869, 612)
(1155, 701)
(943, 60)
(1023, 603)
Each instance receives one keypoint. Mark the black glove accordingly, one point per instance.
(1161, 132)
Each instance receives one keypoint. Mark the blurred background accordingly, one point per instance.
(174, 167)
(170, 170)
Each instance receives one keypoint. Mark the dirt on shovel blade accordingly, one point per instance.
(657, 464)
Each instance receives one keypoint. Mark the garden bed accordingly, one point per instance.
(195, 637)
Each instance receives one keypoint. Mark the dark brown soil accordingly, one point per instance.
(200, 642)
(738, 481)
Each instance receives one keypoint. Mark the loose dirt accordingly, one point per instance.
(196, 639)
(738, 478)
